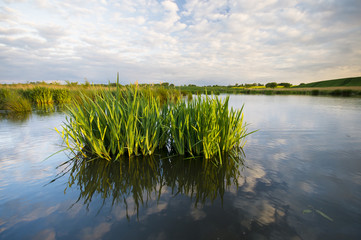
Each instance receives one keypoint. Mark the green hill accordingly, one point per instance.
(342, 82)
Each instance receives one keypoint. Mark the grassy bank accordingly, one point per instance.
(20, 97)
(342, 82)
(24, 97)
(346, 87)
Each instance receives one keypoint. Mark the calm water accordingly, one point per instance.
(303, 169)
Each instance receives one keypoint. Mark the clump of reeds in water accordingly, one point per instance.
(62, 96)
(133, 121)
(206, 126)
(42, 95)
(111, 125)
(14, 102)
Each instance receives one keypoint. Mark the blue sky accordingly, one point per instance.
(181, 42)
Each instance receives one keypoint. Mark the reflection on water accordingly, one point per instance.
(140, 179)
(15, 116)
(306, 153)
(49, 109)
(40, 110)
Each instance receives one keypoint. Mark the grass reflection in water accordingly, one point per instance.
(141, 179)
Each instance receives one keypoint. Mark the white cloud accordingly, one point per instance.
(202, 42)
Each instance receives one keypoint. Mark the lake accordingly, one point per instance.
(301, 180)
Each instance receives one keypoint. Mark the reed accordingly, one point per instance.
(134, 121)
(42, 95)
(111, 125)
(15, 102)
(206, 126)
(61, 96)
(4, 94)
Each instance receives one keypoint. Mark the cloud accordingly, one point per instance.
(183, 42)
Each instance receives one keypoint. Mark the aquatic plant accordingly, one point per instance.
(4, 94)
(14, 102)
(42, 95)
(62, 96)
(206, 126)
(132, 121)
(110, 126)
(314, 210)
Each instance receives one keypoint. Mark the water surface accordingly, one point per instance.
(303, 169)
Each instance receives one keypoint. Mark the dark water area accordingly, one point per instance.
(301, 179)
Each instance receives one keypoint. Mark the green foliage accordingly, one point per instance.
(16, 103)
(111, 125)
(313, 210)
(4, 94)
(286, 85)
(86, 83)
(206, 126)
(135, 122)
(71, 84)
(271, 85)
(42, 95)
(62, 96)
(343, 82)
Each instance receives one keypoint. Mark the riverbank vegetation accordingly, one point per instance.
(25, 97)
(346, 87)
(18, 97)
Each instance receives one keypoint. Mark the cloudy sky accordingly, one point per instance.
(199, 42)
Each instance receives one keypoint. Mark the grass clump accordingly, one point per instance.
(4, 94)
(134, 121)
(206, 126)
(42, 95)
(62, 96)
(111, 125)
(15, 102)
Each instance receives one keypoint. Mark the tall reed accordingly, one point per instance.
(112, 125)
(4, 94)
(206, 126)
(131, 121)
(15, 102)
(61, 96)
(42, 95)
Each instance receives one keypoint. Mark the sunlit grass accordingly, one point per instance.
(135, 121)
(16, 103)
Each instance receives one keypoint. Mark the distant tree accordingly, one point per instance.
(286, 85)
(271, 85)
(86, 83)
(68, 83)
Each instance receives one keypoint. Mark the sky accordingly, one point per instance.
(202, 42)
